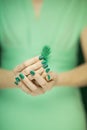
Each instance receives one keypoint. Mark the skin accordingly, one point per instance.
(37, 7)
(40, 77)
(39, 84)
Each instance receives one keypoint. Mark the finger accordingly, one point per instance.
(51, 83)
(39, 90)
(42, 82)
(19, 83)
(28, 91)
(26, 63)
(27, 82)
(50, 76)
(46, 71)
(40, 71)
(44, 74)
(34, 67)
(30, 77)
(24, 88)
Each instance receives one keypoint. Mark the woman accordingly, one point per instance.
(25, 27)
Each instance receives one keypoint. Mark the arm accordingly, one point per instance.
(77, 76)
(74, 77)
(6, 79)
(6, 76)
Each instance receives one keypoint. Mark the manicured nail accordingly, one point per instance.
(44, 62)
(48, 76)
(41, 57)
(16, 83)
(21, 76)
(17, 79)
(47, 70)
(32, 72)
(45, 66)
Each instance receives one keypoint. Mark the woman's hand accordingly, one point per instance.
(38, 83)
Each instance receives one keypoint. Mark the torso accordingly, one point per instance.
(22, 37)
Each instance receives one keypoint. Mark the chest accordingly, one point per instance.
(59, 23)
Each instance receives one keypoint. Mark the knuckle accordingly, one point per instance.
(43, 83)
(44, 74)
(37, 71)
(24, 64)
(41, 70)
(35, 66)
(35, 59)
(30, 77)
(25, 71)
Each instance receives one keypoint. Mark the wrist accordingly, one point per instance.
(60, 78)
(63, 79)
(6, 78)
(11, 79)
(55, 77)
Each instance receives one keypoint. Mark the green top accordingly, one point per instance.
(22, 36)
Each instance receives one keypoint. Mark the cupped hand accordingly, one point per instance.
(37, 83)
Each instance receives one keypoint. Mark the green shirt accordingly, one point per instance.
(22, 37)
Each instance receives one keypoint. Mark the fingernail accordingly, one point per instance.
(44, 62)
(45, 66)
(16, 83)
(41, 57)
(32, 72)
(47, 70)
(48, 76)
(21, 76)
(17, 79)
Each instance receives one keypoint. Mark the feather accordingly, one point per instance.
(46, 52)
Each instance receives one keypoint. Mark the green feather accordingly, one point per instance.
(46, 52)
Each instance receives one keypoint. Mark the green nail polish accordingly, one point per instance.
(16, 83)
(21, 76)
(44, 62)
(17, 79)
(45, 66)
(48, 76)
(32, 72)
(41, 57)
(47, 70)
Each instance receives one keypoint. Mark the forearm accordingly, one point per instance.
(6, 79)
(75, 77)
